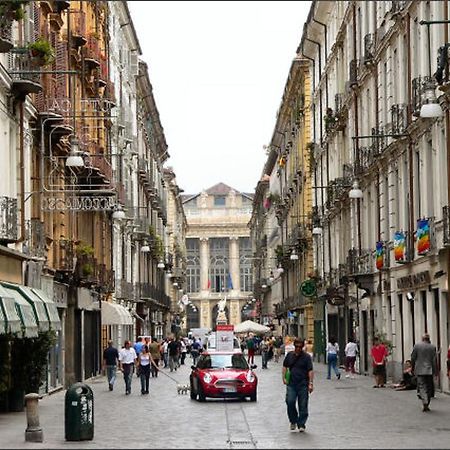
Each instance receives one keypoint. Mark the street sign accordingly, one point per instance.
(224, 338)
(336, 301)
(308, 288)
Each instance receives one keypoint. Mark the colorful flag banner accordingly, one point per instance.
(379, 251)
(208, 286)
(400, 247)
(229, 282)
(423, 236)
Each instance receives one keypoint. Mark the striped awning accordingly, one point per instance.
(11, 322)
(115, 314)
(52, 310)
(25, 312)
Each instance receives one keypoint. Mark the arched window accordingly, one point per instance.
(218, 264)
(245, 264)
(193, 265)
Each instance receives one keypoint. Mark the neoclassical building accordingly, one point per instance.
(218, 255)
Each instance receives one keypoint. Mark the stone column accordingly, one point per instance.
(205, 314)
(204, 266)
(234, 264)
(235, 317)
(33, 433)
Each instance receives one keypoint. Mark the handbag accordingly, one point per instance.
(287, 375)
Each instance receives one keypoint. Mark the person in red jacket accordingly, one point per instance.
(379, 354)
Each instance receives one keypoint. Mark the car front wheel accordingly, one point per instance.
(193, 393)
(201, 394)
(253, 397)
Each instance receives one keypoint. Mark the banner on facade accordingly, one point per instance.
(400, 247)
(423, 236)
(224, 338)
(379, 252)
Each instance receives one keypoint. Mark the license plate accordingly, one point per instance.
(229, 389)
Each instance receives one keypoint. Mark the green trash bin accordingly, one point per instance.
(79, 413)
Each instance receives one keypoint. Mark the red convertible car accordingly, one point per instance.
(223, 375)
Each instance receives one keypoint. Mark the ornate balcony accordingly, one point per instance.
(418, 85)
(64, 255)
(87, 270)
(399, 118)
(25, 74)
(336, 190)
(92, 52)
(78, 28)
(150, 292)
(369, 48)
(8, 220)
(125, 290)
(353, 73)
(360, 262)
(446, 225)
(6, 43)
(105, 278)
(36, 244)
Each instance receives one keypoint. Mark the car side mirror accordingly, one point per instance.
(253, 366)
(193, 367)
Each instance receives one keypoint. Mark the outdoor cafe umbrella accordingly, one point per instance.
(248, 326)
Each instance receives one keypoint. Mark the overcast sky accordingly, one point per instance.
(218, 71)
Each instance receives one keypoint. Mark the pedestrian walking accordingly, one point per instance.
(251, 350)
(332, 357)
(183, 350)
(145, 361)
(299, 384)
(172, 349)
(165, 353)
(127, 362)
(195, 350)
(309, 348)
(424, 364)
(264, 353)
(277, 348)
(154, 349)
(379, 354)
(351, 350)
(110, 360)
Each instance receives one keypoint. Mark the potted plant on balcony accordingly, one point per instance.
(9, 11)
(42, 52)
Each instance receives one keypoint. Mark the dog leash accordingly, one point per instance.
(164, 373)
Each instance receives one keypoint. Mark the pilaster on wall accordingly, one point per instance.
(204, 265)
(234, 264)
(205, 314)
(235, 317)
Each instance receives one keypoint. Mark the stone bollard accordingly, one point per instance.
(33, 433)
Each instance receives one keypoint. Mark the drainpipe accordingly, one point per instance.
(22, 175)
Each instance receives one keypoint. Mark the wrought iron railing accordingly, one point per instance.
(369, 48)
(87, 270)
(35, 238)
(399, 118)
(446, 225)
(360, 262)
(416, 94)
(125, 289)
(24, 70)
(150, 292)
(64, 255)
(8, 219)
(353, 72)
(106, 278)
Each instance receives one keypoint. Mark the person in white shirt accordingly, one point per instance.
(351, 350)
(127, 362)
(332, 357)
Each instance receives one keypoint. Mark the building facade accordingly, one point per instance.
(218, 255)
(383, 254)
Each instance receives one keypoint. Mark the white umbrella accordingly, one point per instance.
(248, 326)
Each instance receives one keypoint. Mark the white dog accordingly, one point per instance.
(183, 388)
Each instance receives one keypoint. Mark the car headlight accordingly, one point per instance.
(207, 378)
(250, 376)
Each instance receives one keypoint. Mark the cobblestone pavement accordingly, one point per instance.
(344, 413)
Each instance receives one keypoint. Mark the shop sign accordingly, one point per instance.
(414, 280)
(224, 338)
(308, 288)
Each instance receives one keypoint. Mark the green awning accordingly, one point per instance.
(36, 303)
(26, 313)
(13, 324)
(52, 310)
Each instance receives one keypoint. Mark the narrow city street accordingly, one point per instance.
(344, 413)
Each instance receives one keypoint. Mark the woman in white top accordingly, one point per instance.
(144, 361)
(351, 350)
(332, 356)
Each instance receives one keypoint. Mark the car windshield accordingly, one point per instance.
(227, 361)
